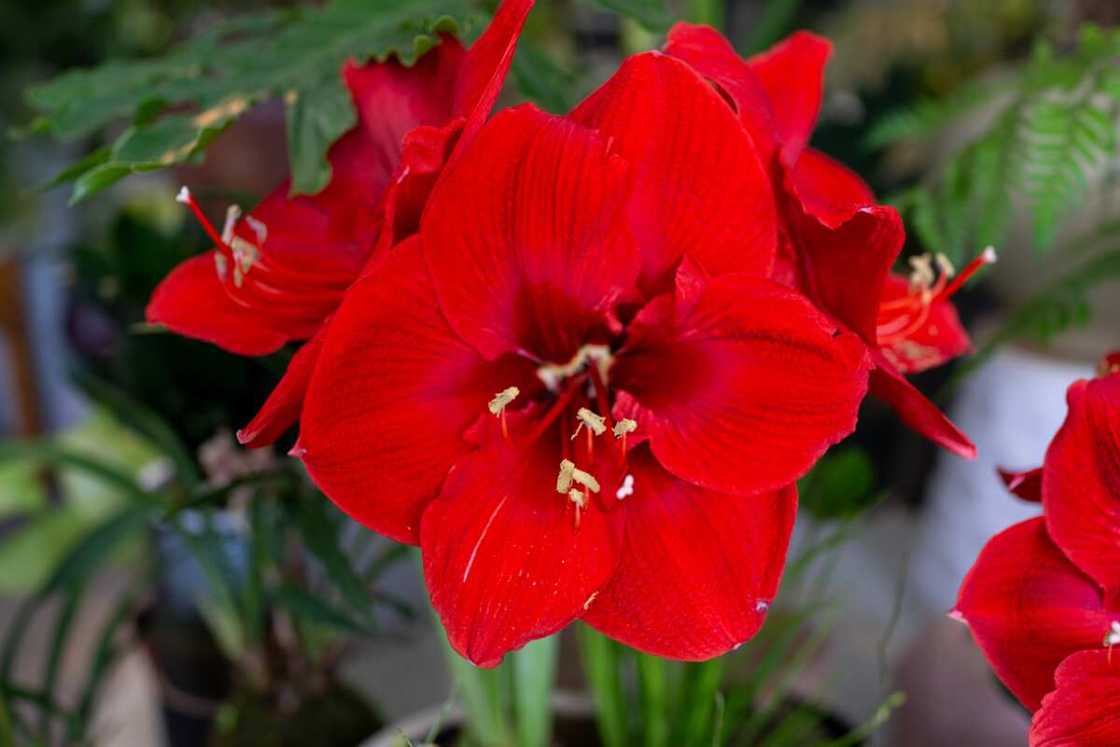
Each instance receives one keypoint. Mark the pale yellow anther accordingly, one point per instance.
(244, 253)
(921, 272)
(597, 424)
(501, 399)
(578, 497)
(221, 265)
(552, 374)
(233, 214)
(944, 265)
(259, 228)
(566, 476)
(1112, 638)
(624, 426)
(585, 479)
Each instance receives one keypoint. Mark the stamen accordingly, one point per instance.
(626, 489)
(1112, 637)
(578, 497)
(187, 199)
(597, 424)
(221, 264)
(624, 426)
(585, 479)
(921, 272)
(233, 214)
(987, 257)
(503, 398)
(552, 374)
(566, 476)
(259, 228)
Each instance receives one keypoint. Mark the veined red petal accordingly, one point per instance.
(1026, 484)
(1028, 608)
(697, 569)
(915, 410)
(1084, 709)
(484, 68)
(281, 410)
(1081, 480)
(742, 389)
(191, 301)
(827, 189)
(520, 236)
(792, 74)
(391, 397)
(711, 55)
(504, 559)
(392, 99)
(699, 186)
(939, 338)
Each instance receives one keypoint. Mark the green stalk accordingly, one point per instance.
(699, 694)
(534, 671)
(601, 662)
(653, 687)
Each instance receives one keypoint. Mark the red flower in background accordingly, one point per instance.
(277, 274)
(1049, 587)
(837, 245)
(654, 407)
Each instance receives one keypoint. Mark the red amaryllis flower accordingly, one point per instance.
(1050, 586)
(1084, 709)
(635, 467)
(837, 245)
(276, 274)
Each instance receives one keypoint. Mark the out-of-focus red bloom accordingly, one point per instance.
(1084, 709)
(636, 467)
(277, 274)
(1049, 587)
(837, 245)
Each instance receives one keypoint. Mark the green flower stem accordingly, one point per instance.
(601, 666)
(653, 686)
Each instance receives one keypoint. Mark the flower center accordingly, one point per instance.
(932, 279)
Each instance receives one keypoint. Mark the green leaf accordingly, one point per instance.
(179, 103)
(842, 485)
(650, 13)
(541, 80)
(653, 690)
(303, 605)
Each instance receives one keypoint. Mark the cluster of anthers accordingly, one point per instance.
(574, 483)
(932, 279)
(306, 294)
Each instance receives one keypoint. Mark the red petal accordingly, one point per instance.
(485, 66)
(792, 74)
(697, 569)
(843, 268)
(391, 397)
(191, 301)
(392, 99)
(699, 186)
(1028, 608)
(504, 560)
(743, 389)
(1026, 485)
(518, 236)
(1081, 481)
(711, 55)
(827, 189)
(1084, 710)
(940, 338)
(916, 411)
(281, 410)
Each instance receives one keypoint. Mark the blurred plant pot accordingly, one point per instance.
(573, 724)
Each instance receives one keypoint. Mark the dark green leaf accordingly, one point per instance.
(841, 485)
(650, 13)
(305, 606)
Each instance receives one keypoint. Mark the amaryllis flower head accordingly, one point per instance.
(559, 391)
(277, 274)
(1050, 586)
(837, 245)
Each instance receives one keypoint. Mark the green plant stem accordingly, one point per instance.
(534, 671)
(698, 695)
(653, 686)
(601, 666)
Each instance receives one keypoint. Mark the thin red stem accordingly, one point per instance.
(187, 199)
(554, 412)
(986, 257)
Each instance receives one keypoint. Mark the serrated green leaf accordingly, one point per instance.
(178, 104)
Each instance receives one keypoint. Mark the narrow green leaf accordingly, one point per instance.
(650, 13)
(653, 691)
(699, 696)
(303, 605)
